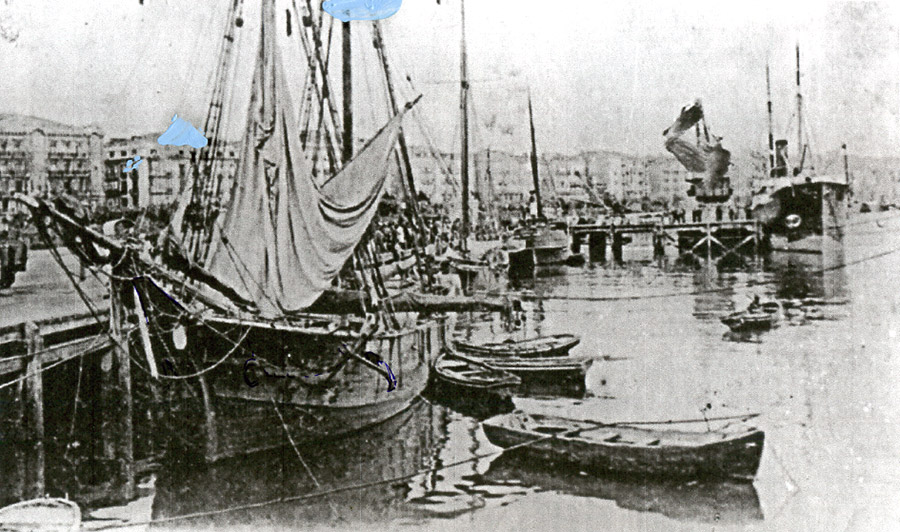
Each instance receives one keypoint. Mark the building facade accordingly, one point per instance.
(160, 174)
(47, 158)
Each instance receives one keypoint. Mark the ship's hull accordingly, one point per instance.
(804, 219)
(295, 383)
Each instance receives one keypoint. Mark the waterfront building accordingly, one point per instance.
(160, 173)
(46, 158)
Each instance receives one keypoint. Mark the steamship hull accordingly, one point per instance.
(805, 215)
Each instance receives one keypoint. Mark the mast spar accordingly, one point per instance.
(464, 150)
(771, 135)
(347, 72)
(800, 148)
(534, 161)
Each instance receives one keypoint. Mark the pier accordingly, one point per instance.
(64, 380)
(711, 242)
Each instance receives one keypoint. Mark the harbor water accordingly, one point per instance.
(825, 390)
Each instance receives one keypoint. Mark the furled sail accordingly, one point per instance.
(283, 238)
(707, 157)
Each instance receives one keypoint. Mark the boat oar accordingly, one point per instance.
(667, 422)
(454, 354)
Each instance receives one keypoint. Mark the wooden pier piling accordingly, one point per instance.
(117, 428)
(711, 242)
(596, 246)
(34, 482)
(27, 351)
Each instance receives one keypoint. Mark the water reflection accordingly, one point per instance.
(399, 447)
(707, 501)
(673, 360)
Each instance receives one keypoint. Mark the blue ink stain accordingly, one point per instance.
(132, 164)
(347, 10)
(392, 381)
(180, 133)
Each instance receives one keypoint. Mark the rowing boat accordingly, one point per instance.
(41, 515)
(745, 321)
(469, 376)
(732, 451)
(568, 369)
(540, 346)
(760, 317)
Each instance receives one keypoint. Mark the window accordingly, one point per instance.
(123, 153)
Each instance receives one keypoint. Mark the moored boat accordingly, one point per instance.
(730, 452)
(757, 317)
(237, 357)
(568, 369)
(41, 515)
(745, 321)
(469, 376)
(540, 346)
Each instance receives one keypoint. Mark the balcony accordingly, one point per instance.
(68, 174)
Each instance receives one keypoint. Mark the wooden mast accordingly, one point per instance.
(409, 184)
(347, 75)
(800, 151)
(534, 161)
(464, 150)
(771, 135)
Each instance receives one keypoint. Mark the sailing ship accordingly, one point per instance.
(546, 245)
(220, 307)
(802, 210)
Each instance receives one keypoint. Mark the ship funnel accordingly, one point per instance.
(781, 158)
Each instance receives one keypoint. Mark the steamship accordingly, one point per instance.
(802, 211)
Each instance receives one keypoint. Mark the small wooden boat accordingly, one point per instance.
(544, 369)
(745, 321)
(41, 515)
(760, 317)
(540, 346)
(471, 375)
(630, 449)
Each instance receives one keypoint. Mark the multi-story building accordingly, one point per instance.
(46, 158)
(592, 177)
(503, 178)
(667, 180)
(161, 172)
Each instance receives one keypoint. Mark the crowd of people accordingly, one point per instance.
(396, 234)
(13, 250)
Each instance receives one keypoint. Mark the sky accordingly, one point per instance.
(602, 75)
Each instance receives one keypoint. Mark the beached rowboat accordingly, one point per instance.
(540, 346)
(731, 453)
